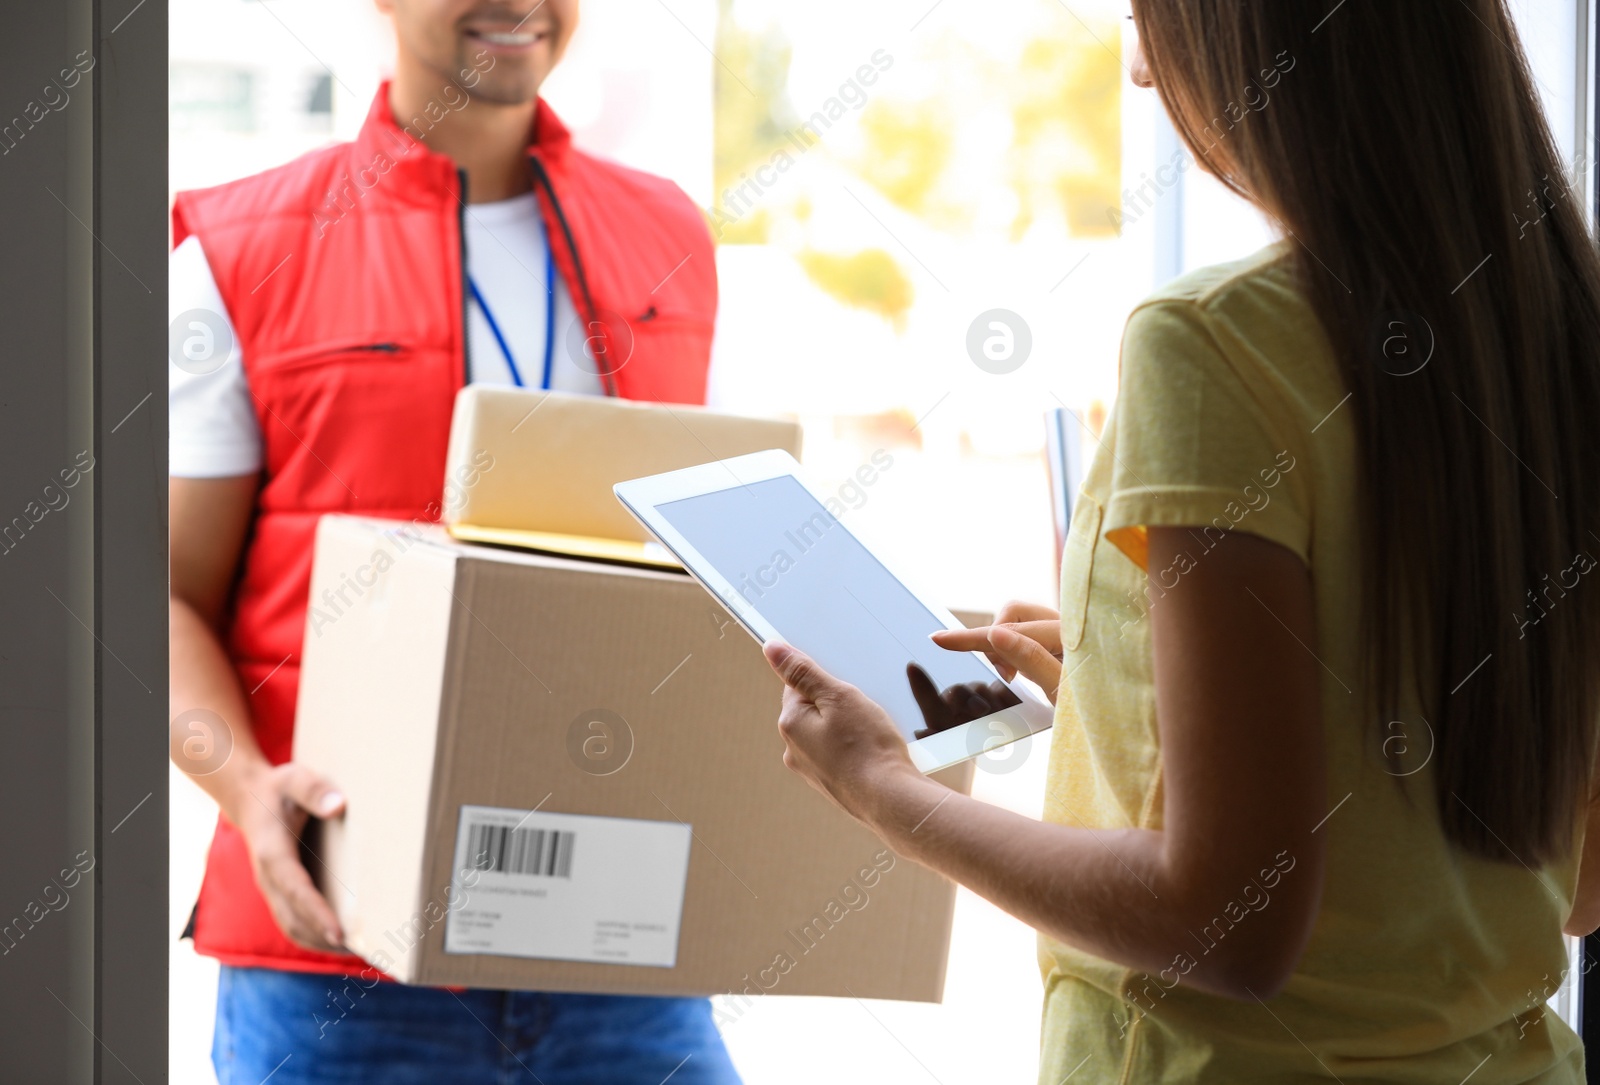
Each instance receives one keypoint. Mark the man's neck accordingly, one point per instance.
(487, 140)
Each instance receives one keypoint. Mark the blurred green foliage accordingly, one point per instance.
(869, 279)
(1067, 133)
(909, 145)
(752, 115)
(1040, 122)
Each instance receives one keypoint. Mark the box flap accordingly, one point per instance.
(650, 555)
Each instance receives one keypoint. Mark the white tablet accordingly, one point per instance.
(768, 549)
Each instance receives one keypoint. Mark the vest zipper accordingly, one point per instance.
(592, 315)
(466, 291)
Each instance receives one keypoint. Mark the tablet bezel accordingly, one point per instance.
(642, 496)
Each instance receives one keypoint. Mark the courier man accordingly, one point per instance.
(324, 315)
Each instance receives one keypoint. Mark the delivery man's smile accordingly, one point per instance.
(507, 38)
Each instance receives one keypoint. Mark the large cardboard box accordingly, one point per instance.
(566, 775)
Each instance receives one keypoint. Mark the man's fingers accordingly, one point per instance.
(297, 906)
(799, 671)
(310, 920)
(312, 792)
(1027, 656)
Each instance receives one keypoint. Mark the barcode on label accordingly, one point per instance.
(504, 849)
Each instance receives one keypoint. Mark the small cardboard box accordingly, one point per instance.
(565, 775)
(556, 455)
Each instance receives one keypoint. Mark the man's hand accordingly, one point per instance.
(1025, 638)
(210, 519)
(835, 736)
(273, 819)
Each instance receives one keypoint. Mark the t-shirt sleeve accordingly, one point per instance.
(212, 427)
(1192, 445)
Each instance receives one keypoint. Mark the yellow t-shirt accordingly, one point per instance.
(1425, 965)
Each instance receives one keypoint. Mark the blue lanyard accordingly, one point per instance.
(549, 319)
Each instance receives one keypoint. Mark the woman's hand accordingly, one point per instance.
(1025, 638)
(843, 743)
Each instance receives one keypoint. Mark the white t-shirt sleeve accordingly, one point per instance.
(212, 428)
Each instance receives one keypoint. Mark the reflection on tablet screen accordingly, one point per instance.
(795, 563)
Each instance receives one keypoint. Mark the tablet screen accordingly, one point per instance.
(808, 576)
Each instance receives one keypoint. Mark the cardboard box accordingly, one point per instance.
(619, 705)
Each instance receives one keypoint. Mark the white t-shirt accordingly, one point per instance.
(213, 428)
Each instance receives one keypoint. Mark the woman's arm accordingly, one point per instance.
(1225, 894)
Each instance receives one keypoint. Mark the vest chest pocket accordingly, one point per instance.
(1077, 569)
(355, 351)
(655, 330)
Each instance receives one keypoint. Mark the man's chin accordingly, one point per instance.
(506, 92)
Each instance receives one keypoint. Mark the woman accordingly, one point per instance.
(1323, 748)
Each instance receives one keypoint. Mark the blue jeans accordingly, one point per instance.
(308, 1029)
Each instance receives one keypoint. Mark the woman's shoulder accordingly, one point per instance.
(1256, 306)
(1247, 332)
(1266, 276)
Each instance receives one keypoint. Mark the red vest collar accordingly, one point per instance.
(381, 134)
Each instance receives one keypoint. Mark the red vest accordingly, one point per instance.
(343, 274)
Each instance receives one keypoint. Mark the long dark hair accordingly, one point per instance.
(1402, 148)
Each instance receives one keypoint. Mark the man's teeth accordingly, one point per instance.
(498, 38)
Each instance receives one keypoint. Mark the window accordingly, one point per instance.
(211, 98)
